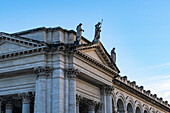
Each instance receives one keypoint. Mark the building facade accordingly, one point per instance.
(54, 70)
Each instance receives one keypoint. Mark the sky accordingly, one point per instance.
(138, 29)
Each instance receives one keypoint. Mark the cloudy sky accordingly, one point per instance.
(139, 29)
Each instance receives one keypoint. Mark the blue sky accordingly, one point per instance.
(139, 29)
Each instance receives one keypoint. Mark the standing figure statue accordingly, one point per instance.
(79, 33)
(97, 32)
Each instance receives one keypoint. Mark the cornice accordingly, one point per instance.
(23, 52)
(21, 40)
(139, 91)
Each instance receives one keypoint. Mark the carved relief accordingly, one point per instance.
(42, 71)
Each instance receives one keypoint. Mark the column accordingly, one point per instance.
(78, 99)
(108, 91)
(40, 91)
(103, 99)
(99, 107)
(72, 73)
(91, 106)
(25, 102)
(9, 106)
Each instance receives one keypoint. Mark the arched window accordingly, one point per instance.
(129, 108)
(138, 110)
(120, 106)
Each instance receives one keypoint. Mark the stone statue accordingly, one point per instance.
(79, 32)
(97, 32)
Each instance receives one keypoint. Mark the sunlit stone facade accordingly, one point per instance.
(43, 71)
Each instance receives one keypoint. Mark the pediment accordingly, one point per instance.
(97, 51)
(94, 54)
(9, 46)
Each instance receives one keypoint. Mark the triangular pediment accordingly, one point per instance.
(97, 51)
(93, 53)
(8, 46)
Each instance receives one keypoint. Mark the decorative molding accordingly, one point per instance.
(42, 72)
(99, 106)
(26, 97)
(91, 104)
(109, 89)
(71, 72)
(78, 99)
(9, 103)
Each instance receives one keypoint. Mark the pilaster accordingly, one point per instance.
(40, 94)
(71, 74)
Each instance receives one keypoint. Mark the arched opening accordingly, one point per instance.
(145, 111)
(138, 110)
(129, 108)
(120, 106)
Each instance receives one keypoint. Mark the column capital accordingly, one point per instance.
(26, 97)
(78, 99)
(71, 72)
(2, 99)
(108, 89)
(9, 103)
(91, 104)
(42, 71)
(99, 106)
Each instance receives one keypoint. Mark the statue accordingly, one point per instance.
(79, 33)
(97, 32)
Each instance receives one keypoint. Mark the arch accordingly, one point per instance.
(152, 110)
(122, 97)
(138, 110)
(138, 105)
(146, 111)
(131, 101)
(146, 108)
(129, 108)
(130, 105)
(120, 106)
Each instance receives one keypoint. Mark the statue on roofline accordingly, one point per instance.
(97, 31)
(78, 34)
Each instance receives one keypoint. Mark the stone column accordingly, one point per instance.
(103, 99)
(9, 106)
(40, 92)
(108, 91)
(91, 106)
(25, 102)
(72, 73)
(78, 99)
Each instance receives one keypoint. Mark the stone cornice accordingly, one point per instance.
(22, 40)
(22, 52)
(139, 91)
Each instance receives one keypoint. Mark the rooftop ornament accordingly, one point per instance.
(97, 31)
(78, 34)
